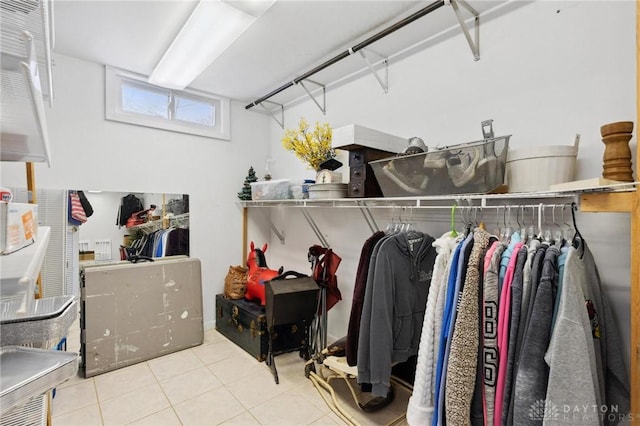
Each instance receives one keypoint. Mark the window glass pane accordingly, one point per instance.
(145, 100)
(195, 111)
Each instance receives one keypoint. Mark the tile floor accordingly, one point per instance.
(216, 383)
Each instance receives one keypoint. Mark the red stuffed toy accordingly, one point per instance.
(258, 273)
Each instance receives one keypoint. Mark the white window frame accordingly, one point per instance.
(114, 78)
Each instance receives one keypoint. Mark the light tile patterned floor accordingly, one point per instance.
(216, 383)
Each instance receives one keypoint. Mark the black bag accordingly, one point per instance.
(86, 205)
(129, 205)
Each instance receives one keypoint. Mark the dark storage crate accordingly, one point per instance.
(245, 324)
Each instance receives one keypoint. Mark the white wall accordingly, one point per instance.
(92, 153)
(548, 70)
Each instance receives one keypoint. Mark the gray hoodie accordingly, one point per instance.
(395, 303)
(533, 373)
(616, 377)
(573, 380)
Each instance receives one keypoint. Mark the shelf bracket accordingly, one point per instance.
(281, 121)
(368, 217)
(275, 230)
(384, 84)
(314, 228)
(322, 107)
(474, 45)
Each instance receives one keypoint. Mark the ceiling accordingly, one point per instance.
(292, 37)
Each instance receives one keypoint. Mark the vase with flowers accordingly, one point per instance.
(311, 145)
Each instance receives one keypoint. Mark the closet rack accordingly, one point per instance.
(614, 201)
(624, 199)
(478, 202)
(179, 221)
(304, 79)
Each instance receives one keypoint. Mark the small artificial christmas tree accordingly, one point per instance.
(245, 194)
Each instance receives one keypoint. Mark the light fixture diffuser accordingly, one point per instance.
(212, 27)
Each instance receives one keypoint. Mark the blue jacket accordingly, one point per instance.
(448, 320)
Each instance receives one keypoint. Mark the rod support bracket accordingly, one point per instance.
(279, 234)
(314, 227)
(322, 107)
(473, 44)
(382, 60)
(272, 114)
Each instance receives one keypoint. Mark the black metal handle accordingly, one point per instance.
(284, 275)
(136, 259)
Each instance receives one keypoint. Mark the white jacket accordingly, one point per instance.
(420, 408)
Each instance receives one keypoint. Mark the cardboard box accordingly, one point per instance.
(87, 255)
(353, 136)
(18, 226)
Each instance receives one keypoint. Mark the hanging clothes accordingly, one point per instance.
(558, 342)
(353, 329)
(533, 372)
(463, 356)
(491, 297)
(514, 325)
(571, 352)
(129, 204)
(420, 407)
(614, 367)
(503, 324)
(506, 256)
(325, 264)
(86, 205)
(394, 307)
(456, 279)
(178, 242)
(77, 211)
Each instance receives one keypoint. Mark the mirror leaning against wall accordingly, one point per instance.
(128, 225)
(100, 239)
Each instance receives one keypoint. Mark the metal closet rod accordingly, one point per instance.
(409, 19)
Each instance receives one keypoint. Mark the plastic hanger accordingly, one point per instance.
(557, 234)
(481, 223)
(454, 233)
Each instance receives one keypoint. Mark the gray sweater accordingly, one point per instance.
(614, 368)
(394, 307)
(533, 373)
(513, 354)
(571, 354)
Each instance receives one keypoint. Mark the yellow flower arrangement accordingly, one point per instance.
(313, 146)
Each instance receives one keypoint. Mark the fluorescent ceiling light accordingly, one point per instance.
(212, 27)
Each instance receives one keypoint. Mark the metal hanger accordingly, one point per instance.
(578, 240)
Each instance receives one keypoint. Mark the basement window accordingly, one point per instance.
(130, 99)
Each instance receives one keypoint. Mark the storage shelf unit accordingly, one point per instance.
(35, 18)
(19, 270)
(25, 45)
(26, 40)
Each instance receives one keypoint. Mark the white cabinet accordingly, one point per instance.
(28, 374)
